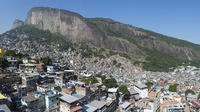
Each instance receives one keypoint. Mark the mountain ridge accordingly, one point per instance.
(152, 50)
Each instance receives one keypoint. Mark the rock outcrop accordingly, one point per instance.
(75, 27)
(17, 23)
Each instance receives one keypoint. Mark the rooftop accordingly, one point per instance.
(90, 108)
(192, 96)
(125, 105)
(29, 98)
(133, 91)
(75, 109)
(141, 86)
(112, 90)
(68, 98)
(98, 104)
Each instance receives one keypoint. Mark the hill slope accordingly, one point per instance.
(153, 51)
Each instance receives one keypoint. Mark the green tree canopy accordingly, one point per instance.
(123, 89)
(47, 60)
(3, 62)
(14, 54)
(20, 55)
(9, 53)
(91, 80)
(189, 91)
(114, 62)
(173, 88)
(110, 83)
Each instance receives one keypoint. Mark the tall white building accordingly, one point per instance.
(142, 90)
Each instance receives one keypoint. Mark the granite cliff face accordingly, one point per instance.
(75, 28)
(66, 23)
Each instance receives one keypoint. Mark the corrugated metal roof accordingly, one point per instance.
(125, 105)
(90, 108)
(141, 86)
(98, 104)
(68, 98)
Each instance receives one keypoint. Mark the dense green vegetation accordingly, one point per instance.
(89, 80)
(158, 61)
(189, 91)
(173, 88)
(173, 41)
(114, 62)
(123, 89)
(111, 53)
(110, 83)
(155, 61)
(12, 53)
(47, 61)
(9, 53)
(3, 62)
(88, 52)
(199, 96)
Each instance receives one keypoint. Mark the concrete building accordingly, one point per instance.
(52, 101)
(191, 97)
(33, 102)
(124, 107)
(142, 90)
(69, 103)
(30, 81)
(172, 102)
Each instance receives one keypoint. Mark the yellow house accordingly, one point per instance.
(1, 50)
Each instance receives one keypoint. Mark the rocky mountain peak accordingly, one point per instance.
(17, 23)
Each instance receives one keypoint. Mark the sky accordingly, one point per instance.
(176, 18)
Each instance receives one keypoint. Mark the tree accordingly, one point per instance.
(199, 96)
(114, 62)
(110, 83)
(189, 91)
(20, 55)
(3, 62)
(149, 85)
(47, 60)
(91, 80)
(123, 89)
(9, 53)
(173, 88)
